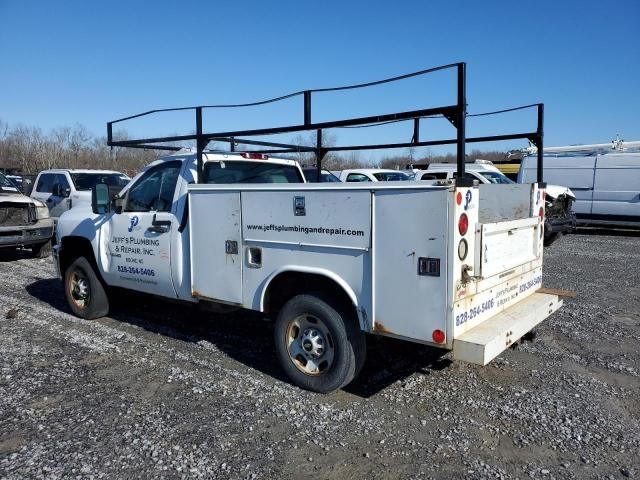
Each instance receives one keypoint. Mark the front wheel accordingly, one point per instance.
(321, 348)
(84, 291)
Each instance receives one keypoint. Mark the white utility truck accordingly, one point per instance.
(331, 261)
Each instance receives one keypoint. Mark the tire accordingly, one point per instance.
(86, 295)
(321, 348)
(42, 250)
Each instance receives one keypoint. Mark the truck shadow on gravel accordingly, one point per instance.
(246, 337)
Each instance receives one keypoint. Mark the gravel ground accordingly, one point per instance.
(158, 389)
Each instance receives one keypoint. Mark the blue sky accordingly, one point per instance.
(88, 62)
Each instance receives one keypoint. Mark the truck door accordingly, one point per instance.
(43, 186)
(139, 238)
(48, 189)
(58, 201)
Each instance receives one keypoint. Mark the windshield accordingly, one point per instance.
(495, 177)
(391, 176)
(250, 172)
(86, 181)
(6, 184)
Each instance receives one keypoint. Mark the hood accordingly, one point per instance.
(556, 190)
(14, 198)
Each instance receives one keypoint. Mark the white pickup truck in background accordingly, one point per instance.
(333, 261)
(60, 189)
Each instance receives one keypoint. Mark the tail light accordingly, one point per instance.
(463, 224)
(254, 156)
(541, 212)
(438, 336)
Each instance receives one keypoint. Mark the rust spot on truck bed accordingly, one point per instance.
(378, 327)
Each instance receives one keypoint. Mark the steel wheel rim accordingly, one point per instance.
(310, 345)
(79, 289)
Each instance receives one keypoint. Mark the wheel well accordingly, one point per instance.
(74, 247)
(287, 285)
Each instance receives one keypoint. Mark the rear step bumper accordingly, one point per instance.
(483, 343)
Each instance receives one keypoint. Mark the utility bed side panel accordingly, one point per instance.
(409, 226)
(320, 232)
(216, 271)
(312, 217)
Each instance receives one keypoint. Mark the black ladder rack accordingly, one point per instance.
(456, 114)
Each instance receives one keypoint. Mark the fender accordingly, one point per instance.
(313, 270)
(362, 314)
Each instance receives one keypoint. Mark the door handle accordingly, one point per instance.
(49, 200)
(159, 226)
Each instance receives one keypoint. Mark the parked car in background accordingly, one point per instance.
(23, 221)
(559, 217)
(372, 175)
(311, 175)
(482, 170)
(61, 189)
(606, 181)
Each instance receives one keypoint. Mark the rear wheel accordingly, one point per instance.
(321, 348)
(85, 293)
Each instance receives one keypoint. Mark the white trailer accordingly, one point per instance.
(456, 266)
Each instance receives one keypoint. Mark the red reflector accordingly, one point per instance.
(541, 212)
(459, 198)
(438, 336)
(254, 156)
(463, 224)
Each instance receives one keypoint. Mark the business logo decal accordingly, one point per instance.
(467, 199)
(133, 223)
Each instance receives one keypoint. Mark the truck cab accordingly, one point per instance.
(143, 241)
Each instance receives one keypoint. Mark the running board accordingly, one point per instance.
(483, 343)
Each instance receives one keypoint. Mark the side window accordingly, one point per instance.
(357, 177)
(155, 189)
(45, 183)
(59, 178)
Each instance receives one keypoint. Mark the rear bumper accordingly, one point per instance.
(486, 341)
(39, 232)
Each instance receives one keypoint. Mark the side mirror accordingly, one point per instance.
(59, 191)
(100, 199)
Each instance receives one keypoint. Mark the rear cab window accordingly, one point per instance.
(238, 171)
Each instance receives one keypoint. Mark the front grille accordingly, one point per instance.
(16, 214)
